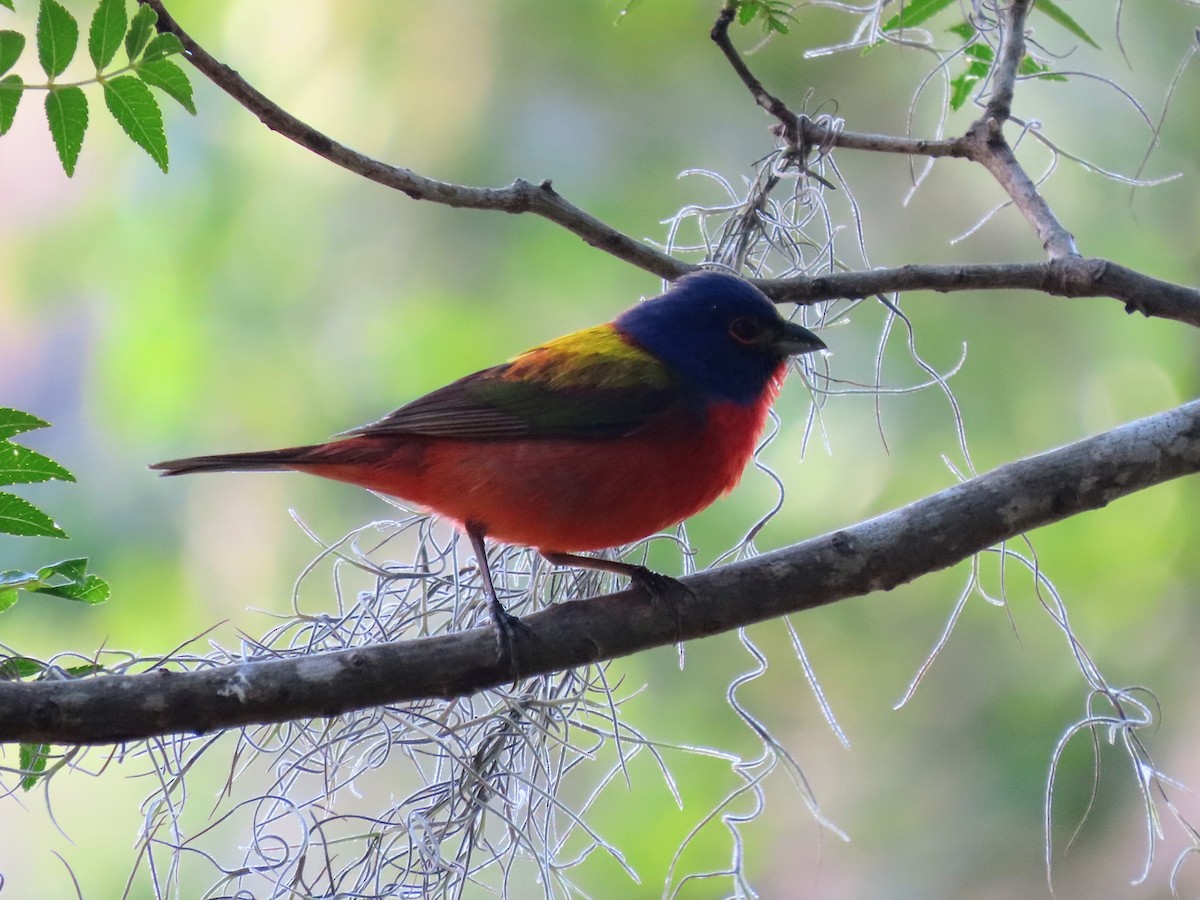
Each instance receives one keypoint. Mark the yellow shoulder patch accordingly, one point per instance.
(598, 357)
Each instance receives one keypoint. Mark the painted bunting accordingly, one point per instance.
(598, 438)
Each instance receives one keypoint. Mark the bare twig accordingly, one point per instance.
(990, 149)
(983, 142)
(879, 554)
(955, 148)
(1008, 61)
(519, 197)
(1071, 276)
(764, 98)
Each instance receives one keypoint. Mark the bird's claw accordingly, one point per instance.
(509, 629)
(657, 585)
(663, 590)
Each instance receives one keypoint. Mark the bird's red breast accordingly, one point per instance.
(565, 494)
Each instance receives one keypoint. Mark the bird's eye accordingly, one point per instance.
(743, 330)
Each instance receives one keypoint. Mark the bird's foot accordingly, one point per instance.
(657, 585)
(509, 630)
(663, 591)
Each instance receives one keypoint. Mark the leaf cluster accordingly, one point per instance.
(126, 88)
(978, 55)
(68, 578)
(773, 15)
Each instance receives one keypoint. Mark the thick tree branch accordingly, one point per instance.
(879, 554)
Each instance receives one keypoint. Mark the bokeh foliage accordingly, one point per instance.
(258, 297)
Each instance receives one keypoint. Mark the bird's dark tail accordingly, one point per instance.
(253, 461)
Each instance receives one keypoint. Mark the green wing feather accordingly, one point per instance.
(593, 383)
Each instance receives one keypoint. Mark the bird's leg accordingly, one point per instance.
(507, 625)
(661, 588)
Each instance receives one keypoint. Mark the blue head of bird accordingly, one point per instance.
(720, 335)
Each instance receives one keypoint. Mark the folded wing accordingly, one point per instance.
(594, 383)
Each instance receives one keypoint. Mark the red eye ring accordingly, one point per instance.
(744, 330)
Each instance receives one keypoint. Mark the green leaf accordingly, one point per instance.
(977, 70)
(136, 110)
(16, 667)
(81, 586)
(960, 89)
(1030, 67)
(170, 79)
(106, 32)
(916, 12)
(15, 578)
(71, 569)
(980, 51)
(91, 589)
(1059, 15)
(14, 422)
(67, 113)
(11, 90)
(22, 518)
(964, 30)
(11, 45)
(141, 29)
(627, 9)
(774, 14)
(68, 579)
(8, 3)
(20, 465)
(57, 37)
(33, 761)
(11, 585)
(162, 46)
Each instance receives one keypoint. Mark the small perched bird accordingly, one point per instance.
(594, 439)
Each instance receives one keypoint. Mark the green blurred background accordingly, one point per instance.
(258, 296)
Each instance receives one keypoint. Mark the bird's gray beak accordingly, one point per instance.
(795, 339)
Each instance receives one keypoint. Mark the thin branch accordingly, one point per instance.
(875, 555)
(814, 133)
(983, 142)
(519, 197)
(1147, 295)
(764, 98)
(1071, 276)
(990, 149)
(1008, 61)
(800, 132)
